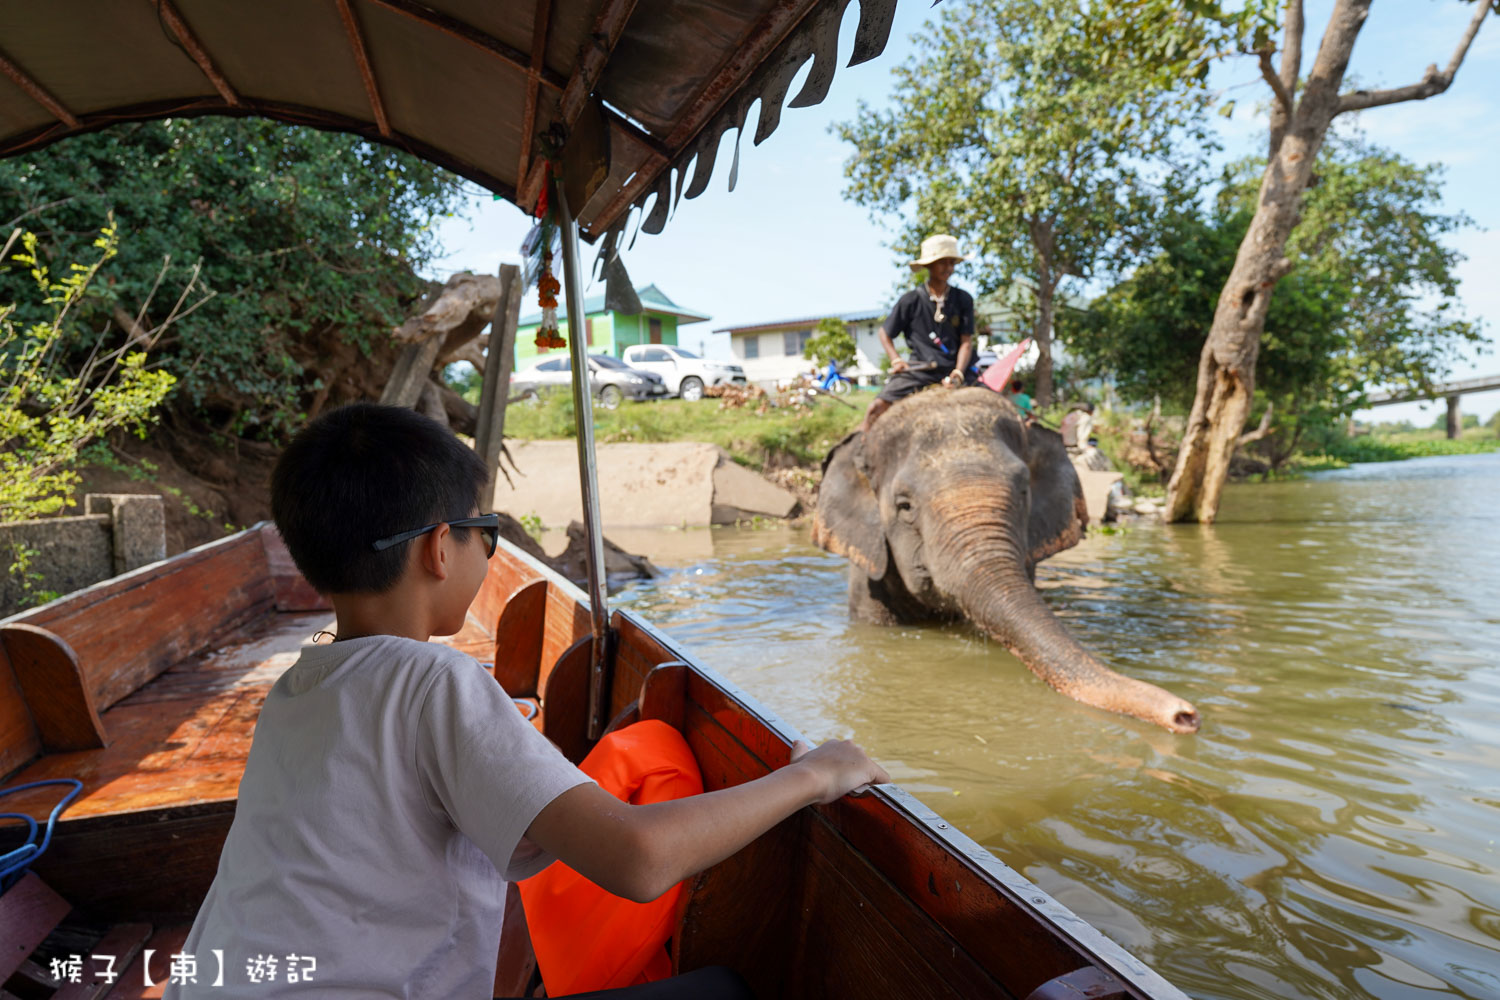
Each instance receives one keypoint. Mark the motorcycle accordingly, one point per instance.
(834, 381)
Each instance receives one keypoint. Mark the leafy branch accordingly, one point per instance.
(55, 397)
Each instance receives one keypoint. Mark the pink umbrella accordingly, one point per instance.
(998, 373)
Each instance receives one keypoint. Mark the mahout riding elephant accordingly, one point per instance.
(943, 508)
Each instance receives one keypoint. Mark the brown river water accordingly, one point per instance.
(1332, 830)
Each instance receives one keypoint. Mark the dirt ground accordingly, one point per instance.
(211, 485)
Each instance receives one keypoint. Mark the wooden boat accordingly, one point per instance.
(146, 688)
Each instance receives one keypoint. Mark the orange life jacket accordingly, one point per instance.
(585, 938)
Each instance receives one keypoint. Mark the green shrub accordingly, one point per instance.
(50, 409)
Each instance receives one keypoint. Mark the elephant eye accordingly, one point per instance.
(903, 506)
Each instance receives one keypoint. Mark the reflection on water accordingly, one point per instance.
(1332, 830)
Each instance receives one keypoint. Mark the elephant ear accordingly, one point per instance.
(848, 518)
(1058, 513)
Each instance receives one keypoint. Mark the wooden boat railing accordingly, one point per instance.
(874, 896)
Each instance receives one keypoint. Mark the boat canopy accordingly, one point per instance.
(640, 93)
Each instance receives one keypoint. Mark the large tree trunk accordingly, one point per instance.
(1042, 334)
(1226, 369)
(1042, 239)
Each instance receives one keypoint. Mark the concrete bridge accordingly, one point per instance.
(1450, 390)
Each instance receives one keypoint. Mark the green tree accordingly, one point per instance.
(831, 341)
(1181, 38)
(1008, 130)
(49, 410)
(1371, 299)
(309, 240)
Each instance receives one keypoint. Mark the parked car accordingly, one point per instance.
(684, 373)
(611, 379)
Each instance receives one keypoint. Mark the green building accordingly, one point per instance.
(608, 331)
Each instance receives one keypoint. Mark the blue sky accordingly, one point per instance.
(786, 244)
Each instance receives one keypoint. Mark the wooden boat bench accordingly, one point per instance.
(146, 688)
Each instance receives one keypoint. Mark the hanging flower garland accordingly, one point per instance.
(548, 335)
(547, 286)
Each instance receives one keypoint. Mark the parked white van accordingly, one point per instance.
(684, 373)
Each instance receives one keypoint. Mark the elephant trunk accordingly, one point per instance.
(985, 567)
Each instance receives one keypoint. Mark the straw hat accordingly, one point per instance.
(935, 248)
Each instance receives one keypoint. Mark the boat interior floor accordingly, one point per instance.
(182, 738)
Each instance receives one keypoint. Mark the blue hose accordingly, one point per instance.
(14, 862)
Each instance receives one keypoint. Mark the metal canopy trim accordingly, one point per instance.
(466, 84)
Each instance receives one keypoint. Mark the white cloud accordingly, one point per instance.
(1449, 129)
(1479, 291)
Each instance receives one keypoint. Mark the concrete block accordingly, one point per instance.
(139, 527)
(1096, 487)
(115, 534)
(640, 485)
(740, 494)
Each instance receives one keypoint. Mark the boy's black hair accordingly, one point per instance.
(364, 472)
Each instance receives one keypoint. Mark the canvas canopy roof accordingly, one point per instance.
(640, 92)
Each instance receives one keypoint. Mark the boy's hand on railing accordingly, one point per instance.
(840, 767)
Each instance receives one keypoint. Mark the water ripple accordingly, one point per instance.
(1332, 831)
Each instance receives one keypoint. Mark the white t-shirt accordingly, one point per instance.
(388, 781)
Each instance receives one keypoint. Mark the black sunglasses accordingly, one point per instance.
(488, 525)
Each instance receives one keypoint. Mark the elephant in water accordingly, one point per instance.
(943, 509)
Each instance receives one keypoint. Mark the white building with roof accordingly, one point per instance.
(772, 351)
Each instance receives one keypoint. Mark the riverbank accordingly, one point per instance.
(1144, 449)
(759, 438)
(786, 444)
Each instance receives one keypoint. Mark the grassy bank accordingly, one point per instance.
(797, 435)
(1122, 438)
(1414, 444)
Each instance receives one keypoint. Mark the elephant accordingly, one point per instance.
(943, 509)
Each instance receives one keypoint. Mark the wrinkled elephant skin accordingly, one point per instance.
(944, 508)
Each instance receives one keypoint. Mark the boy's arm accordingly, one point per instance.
(639, 852)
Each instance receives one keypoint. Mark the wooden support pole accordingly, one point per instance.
(1455, 418)
(412, 372)
(540, 21)
(609, 25)
(464, 32)
(494, 389)
(195, 50)
(37, 92)
(366, 68)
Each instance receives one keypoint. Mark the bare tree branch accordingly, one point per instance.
(39, 208)
(1291, 48)
(1432, 83)
(136, 333)
(1283, 97)
(1261, 431)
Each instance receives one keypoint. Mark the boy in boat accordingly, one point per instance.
(392, 788)
(938, 322)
